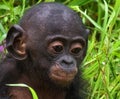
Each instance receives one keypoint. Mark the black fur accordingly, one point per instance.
(42, 21)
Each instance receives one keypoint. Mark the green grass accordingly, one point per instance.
(34, 95)
(102, 63)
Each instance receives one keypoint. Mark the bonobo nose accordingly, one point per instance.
(67, 61)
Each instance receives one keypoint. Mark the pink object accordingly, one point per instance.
(1, 48)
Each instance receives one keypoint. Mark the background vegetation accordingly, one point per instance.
(102, 64)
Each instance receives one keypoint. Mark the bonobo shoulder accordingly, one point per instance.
(8, 69)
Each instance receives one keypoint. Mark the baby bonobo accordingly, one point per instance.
(45, 51)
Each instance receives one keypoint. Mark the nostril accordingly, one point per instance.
(67, 62)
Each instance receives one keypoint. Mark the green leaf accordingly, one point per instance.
(24, 85)
(89, 18)
(4, 7)
(79, 2)
(2, 29)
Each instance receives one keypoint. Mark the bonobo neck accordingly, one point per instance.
(42, 87)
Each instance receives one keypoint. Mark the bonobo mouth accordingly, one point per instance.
(61, 76)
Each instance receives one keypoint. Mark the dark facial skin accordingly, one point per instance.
(65, 51)
(48, 47)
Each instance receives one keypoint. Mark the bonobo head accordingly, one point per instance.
(53, 38)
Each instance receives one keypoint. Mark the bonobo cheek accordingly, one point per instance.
(62, 76)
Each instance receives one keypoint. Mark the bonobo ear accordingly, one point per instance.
(16, 42)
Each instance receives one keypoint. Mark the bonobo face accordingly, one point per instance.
(54, 38)
(61, 52)
(67, 54)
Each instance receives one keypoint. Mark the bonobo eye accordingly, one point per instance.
(76, 48)
(55, 47)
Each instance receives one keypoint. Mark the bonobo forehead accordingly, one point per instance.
(49, 18)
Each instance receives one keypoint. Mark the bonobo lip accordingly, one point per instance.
(61, 76)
